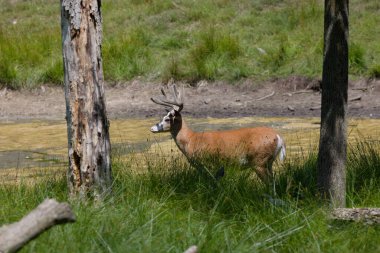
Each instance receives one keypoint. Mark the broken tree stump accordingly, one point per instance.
(49, 213)
(367, 215)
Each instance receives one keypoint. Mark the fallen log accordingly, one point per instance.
(366, 215)
(49, 213)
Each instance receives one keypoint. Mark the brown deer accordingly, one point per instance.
(255, 147)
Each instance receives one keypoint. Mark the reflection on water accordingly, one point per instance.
(44, 144)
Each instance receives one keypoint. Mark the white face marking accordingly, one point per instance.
(164, 125)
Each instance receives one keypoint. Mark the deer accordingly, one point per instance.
(256, 147)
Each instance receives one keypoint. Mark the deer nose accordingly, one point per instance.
(154, 128)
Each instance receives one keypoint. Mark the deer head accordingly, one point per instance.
(173, 107)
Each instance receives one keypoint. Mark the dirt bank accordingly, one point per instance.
(290, 97)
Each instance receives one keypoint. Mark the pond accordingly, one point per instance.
(27, 146)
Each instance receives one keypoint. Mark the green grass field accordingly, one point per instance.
(172, 206)
(187, 40)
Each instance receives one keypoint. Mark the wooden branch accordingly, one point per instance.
(291, 108)
(362, 89)
(192, 249)
(178, 6)
(49, 213)
(315, 108)
(367, 215)
(297, 92)
(355, 98)
(262, 98)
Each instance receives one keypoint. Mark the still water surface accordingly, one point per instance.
(44, 143)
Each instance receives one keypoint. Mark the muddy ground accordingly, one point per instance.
(289, 97)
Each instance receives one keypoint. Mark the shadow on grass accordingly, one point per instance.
(295, 182)
(170, 206)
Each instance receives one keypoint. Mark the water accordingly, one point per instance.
(42, 144)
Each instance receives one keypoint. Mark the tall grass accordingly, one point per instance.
(171, 206)
(214, 54)
(128, 56)
(364, 173)
(187, 40)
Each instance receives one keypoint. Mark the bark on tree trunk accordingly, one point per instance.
(333, 134)
(49, 213)
(89, 173)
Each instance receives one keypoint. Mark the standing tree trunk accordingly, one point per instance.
(333, 135)
(89, 173)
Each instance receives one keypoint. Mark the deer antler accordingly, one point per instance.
(176, 104)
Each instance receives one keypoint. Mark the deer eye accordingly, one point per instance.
(167, 120)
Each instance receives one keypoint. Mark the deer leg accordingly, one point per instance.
(199, 167)
(269, 168)
(220, 173)
(265, 173)
(262, 173)
(204, 171)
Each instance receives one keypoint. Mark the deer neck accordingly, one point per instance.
(182, 135)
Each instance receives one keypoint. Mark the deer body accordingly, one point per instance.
(255, 147)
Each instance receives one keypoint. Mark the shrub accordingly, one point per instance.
(213, 54)
(356, 59)
(128, 56)
(53, 73)
(276, 58)
(375, 71)
(172, 70)
(8, 73)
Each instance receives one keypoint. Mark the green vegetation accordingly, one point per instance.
(187, 40)
(171, 207)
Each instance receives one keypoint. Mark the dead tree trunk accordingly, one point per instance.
(49, 213)
(366, 215)
(89, 173)
(333, 136)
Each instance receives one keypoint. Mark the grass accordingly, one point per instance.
(171, 207)
(164, 39)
